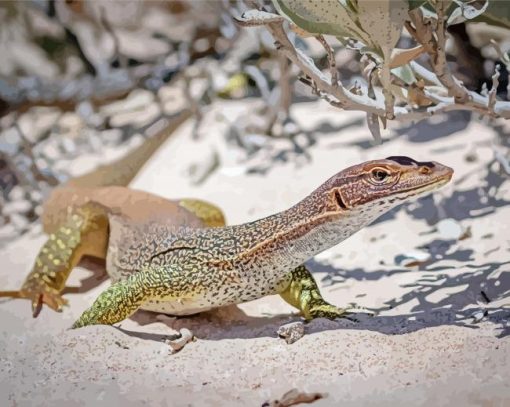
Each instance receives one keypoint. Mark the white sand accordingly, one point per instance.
(425, 350)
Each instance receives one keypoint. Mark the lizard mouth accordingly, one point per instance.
(430, 186)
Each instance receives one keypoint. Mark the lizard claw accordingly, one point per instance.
(43, 295)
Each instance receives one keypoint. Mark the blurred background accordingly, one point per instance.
(82, 83)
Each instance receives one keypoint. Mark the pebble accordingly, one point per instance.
(291, 332)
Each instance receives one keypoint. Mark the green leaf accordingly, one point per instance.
(416, 3)
(331, 17)
(383, 20)
(405, 73)
(498, 13)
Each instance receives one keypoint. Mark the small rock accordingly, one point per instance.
(450, 229)
(291, 332)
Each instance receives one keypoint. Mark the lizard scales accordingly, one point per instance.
(180, 270)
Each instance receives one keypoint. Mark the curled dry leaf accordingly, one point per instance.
(253, 18)
(177, 344)
(374, 127)
(293, 397)
(401, 56)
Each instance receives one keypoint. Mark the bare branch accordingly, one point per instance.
(423, 33)
(494, 89)
(331, 59)
(337, 95)
(458, 91)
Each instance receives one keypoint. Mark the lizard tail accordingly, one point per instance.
(122, 171)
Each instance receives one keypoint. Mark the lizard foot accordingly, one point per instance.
(329, 311)
(40, 295)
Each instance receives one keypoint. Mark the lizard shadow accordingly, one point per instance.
(443, 295)
(462, 298)
(98, 276)
(223, 323)
(461, 307)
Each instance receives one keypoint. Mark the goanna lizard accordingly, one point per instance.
(178, 257)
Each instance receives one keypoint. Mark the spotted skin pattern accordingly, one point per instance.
(181, 268)
(190, 270)
(81, 233)
(83, 229)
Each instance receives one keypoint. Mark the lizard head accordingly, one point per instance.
(385, 183)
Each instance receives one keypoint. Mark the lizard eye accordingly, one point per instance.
(379, 175)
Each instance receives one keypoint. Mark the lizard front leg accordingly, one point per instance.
(85, 232)
(303, 293)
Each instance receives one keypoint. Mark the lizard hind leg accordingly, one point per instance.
(84, 232)
(303, 293)
(209, 214)
(124, 297)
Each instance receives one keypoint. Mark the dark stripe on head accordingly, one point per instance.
(403, 160)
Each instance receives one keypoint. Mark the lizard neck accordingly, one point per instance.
(289, 238)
